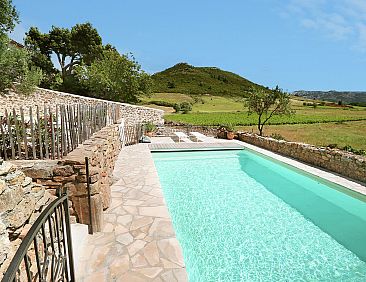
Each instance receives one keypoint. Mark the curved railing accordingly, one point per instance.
(45, 253)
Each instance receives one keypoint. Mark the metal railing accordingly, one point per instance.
(45, 253)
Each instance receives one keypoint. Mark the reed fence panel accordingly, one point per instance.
(36, 133)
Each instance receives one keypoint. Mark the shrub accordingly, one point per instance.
(332, 146)
(171, 84)
(185, 107)
(162, 103)
(15, 68)
(176, 107)
(350, 149)
(277, 136)
(228, 127)
(149, 127)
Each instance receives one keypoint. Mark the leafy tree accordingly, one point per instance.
(79, 45)
(8, 16)
(185, 107)
(267, 104)
(115, 77)
(171, 84)
(176, 107)
(15, 68)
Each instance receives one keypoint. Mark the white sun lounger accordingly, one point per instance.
(199, 137)
(182, 137)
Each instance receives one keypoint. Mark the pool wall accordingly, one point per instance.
(344, 163)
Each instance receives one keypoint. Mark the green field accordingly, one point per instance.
(320, 134)
(320, 126)
(302, 116)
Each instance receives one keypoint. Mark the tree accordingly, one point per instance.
(8, 16)
(115, 77)
(79, 45)
(185, 107)
(267, 104)
(15, 68)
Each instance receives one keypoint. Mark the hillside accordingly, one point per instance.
(187, 79)
(348, 97)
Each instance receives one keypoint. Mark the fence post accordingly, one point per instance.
(24, 133)
(3, 138)
(45, 132)
(17, 127)
(32, 133)
(39, 134)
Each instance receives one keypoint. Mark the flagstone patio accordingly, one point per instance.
(138, 242)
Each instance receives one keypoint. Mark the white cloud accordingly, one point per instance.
(338, 20)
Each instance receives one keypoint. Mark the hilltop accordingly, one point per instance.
(349, 97)
(187, 79)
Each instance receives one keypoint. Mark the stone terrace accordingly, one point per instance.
(138, 242)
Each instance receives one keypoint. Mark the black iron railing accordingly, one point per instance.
(90, 226)
(45, 253)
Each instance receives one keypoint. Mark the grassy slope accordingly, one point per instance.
(187, 79)
(205, 103)
(225, 105)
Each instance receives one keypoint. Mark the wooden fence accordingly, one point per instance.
(40, 133)
(132, 134)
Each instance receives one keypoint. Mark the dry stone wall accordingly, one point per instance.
(344, 163)
(102, 150)
(131, 113)
(169, 129)
(21, 202)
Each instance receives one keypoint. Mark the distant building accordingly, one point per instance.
(16, 44)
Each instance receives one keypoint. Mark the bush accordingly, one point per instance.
(332, 146)
(15, 68)
(277, 136)
(162, 103)
(185, 107)
(228, 127)
(149, 127)
(350, 149)
(176, 107)
(171, 84)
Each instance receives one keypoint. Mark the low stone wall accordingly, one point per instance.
(344, 163)
(131, 113)
(21, 202)
(168, 129)
(102, 150)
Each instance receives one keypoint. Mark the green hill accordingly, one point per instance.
(187, 79)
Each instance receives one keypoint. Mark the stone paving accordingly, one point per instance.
(138, 242)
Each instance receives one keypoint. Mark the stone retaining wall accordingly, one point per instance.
(131, 113)
(168, 130)
(21, 202)
(102, 150)
(344, 163)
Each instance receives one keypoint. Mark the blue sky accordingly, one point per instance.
(296, 44)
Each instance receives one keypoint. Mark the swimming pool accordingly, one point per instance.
(240, 216)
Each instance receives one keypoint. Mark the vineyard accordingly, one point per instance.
(307, 116)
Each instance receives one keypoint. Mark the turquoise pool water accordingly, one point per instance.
(242, 217)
